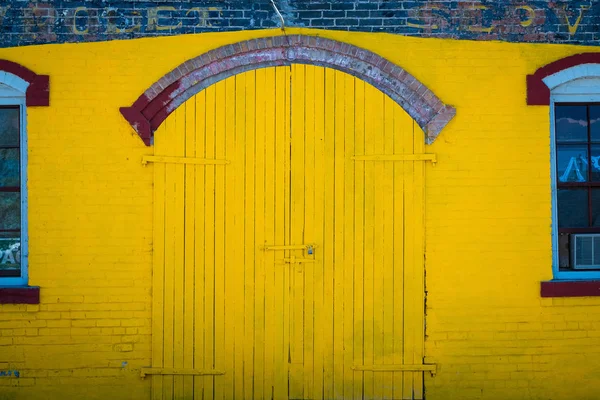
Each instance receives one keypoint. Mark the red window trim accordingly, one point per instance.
(20, 295)
(538, 93)
(36, 95)
(38, 91)
(589, 288)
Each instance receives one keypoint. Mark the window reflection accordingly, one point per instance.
(595, 164)
(10, 256)
(9, 126)
(572, 163)
(595, 123)
(10, 192)
(571, 123)
(572, 208)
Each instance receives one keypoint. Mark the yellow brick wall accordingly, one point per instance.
(487, 225)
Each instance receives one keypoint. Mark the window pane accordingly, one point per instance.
(10, 211)
(584, 250)
(9, 127)
(595, 164)
(595, 207)
(10, 255)
(9, 168)
(571, 123)
(572, 163)
(572, 208)
(564, 250)
(595, 123)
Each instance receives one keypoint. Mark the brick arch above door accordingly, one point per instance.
(149, 111)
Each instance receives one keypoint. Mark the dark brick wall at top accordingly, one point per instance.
(24, 22)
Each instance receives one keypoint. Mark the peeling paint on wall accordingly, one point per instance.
(576, 21)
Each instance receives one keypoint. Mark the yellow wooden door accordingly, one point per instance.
(288, 262)
(357, 197)
(221, 183)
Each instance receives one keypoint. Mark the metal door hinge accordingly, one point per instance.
(397, 157)
(432, 368)
(182, 160)
(179, 371)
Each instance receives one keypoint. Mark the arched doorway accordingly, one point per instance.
(288, 240)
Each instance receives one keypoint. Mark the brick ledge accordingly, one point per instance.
(20, 295)
(589, 288)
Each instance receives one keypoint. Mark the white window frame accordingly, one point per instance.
(578, 84)
(12, 93)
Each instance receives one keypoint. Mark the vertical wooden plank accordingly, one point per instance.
(208, 246)
(319, 203)
(388, 247)
(239, 234)
(158, 270)
(296, 380)
(271, 295)
(346, 153)
(179, 139)
(369, 321)
(259, 237)
(249, 243)
(409, 268)
(286, 133)
(309, 228)
(189, 246)
(358, 240)
(378, 250)
(282, 204)
(259, 234)
(230, 234)
(402, 123)
(418, 287)
(170, 249)
(339, 226)
(281, 351)
(218, 355)
(328, 240)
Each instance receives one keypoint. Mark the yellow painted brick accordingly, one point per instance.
(124, 347)
(58, 323)
(47, 315)
(575, 334)
(108, 322)
(54, 331)
(87, 372)
(83, 323)
(487, 217)
(58, 372)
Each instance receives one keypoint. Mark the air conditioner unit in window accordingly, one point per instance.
(585, 250)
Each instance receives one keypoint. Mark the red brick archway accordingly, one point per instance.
(173, 89)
